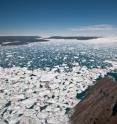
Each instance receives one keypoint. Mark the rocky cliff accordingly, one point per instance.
(99, 106)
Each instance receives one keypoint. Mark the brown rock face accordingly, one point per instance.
(99, 106)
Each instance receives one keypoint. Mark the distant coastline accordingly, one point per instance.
(19, 40)
(74, 37)
(23, 40)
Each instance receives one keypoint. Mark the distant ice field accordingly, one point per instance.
(59, 52)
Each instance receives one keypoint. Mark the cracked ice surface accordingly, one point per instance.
(42, 97)
(58, 71)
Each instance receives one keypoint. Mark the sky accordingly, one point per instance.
(58, 17)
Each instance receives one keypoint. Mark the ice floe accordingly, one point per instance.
(43, 97)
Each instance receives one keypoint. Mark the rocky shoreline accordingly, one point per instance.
(99, 106)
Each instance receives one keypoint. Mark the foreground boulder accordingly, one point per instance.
(99, 106)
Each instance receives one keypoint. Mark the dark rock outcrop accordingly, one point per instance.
(99, 106)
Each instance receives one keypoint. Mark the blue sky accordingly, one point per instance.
(58, 17)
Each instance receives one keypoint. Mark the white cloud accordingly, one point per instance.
(101, 29)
